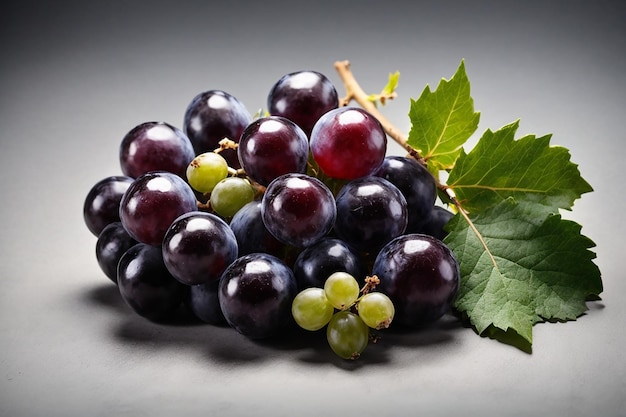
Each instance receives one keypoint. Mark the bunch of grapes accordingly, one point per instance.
(349, 316)
(260, 222)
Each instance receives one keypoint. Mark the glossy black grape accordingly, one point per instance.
(435, 224)
(255, 294)
(155, 146)
(146, 285)
(112, 243)
(420, 275)
(371, 211)
(102, 204)
(416, 184)
(298, 209)
(272, 146)
(212, 116)
(302, 97)
(197, 247)
(251, 233)
(317, 262)
(152, 202)
(203, 301)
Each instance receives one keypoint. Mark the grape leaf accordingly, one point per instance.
(529, 265)
(442, 121)
(499, 167)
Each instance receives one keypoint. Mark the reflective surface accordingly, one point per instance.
(78, 76)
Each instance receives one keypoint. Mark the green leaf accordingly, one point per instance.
(529, 168)
(526, 265)
(442, 121)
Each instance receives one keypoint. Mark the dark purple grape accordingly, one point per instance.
(251, 233)
(255, 294)
(272, 146)
(198, 247)
(420, 275)
(155, 146)
(146, 285)
(435, 224)
(302, 97)
(102, 204)
(298, 209)
(112, 243)
(317, 262)
(212, 116)
(348, 143)
(416, 184)
(371, 211)
(152, 202)
(203, 301)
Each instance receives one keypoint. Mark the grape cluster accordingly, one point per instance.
(349, 316)
(261, 222)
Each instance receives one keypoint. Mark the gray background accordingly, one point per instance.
(76, 76)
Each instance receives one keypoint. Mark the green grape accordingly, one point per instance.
(311, 309)
(341, 289)
(206, 170)
(376, 310)
(231, 194)
(347, 335)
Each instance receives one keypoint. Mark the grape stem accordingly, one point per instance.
(356, 93)
(370, 283)
(226, 144)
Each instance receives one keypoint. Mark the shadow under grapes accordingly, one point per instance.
(105, 295)
(223, 345)
(440, 332)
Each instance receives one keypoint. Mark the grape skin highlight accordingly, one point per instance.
(348, 143)
(102, 204)
(370, 212)
(251, 233)
(111, 245)
(146, 285)
(198, 247)
(376, 310)
(303, 97)
(255, 294)
(273, 146)
(299, 210)
(212, 116)
(155, 146)
(416, 184)
(420, 275)
(311, 309)
(341, 289)
(152, 202)
(205, 171)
